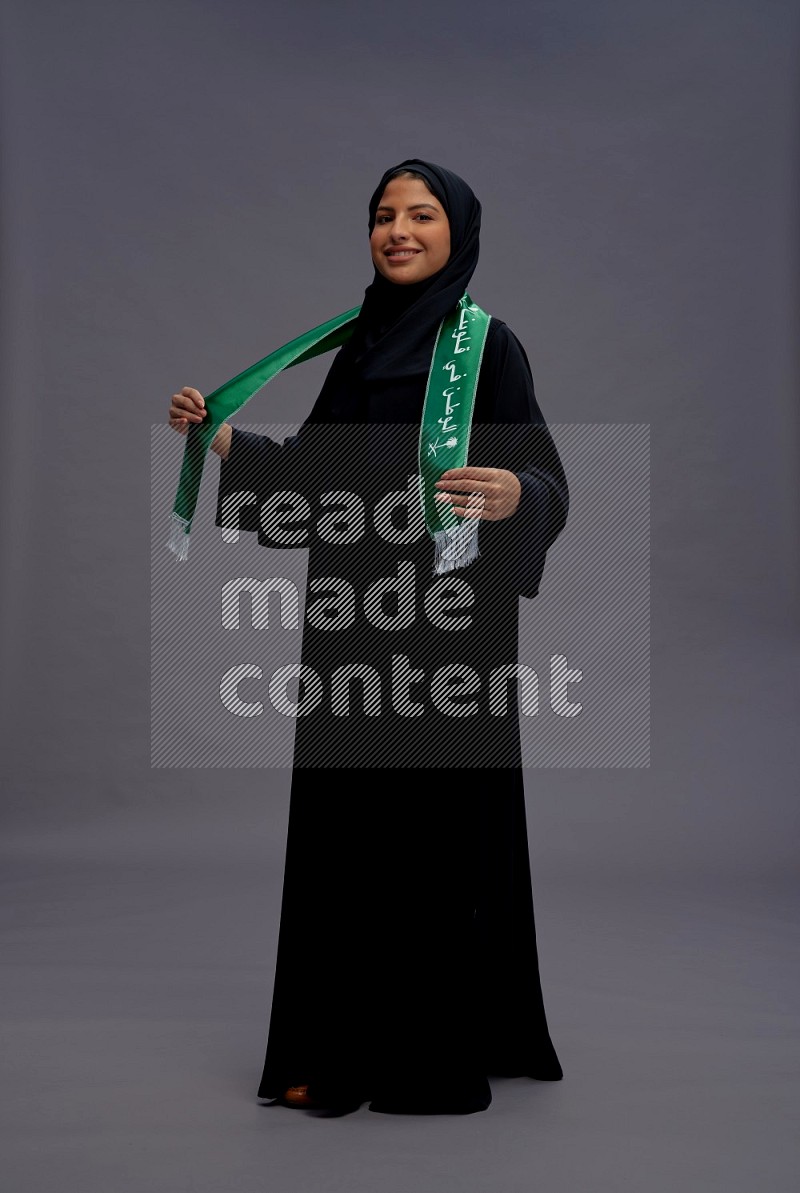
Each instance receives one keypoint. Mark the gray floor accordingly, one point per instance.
(137, 975)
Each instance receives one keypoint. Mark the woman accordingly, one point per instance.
(407, 969)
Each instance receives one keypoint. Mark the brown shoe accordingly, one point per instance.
(297, 1095)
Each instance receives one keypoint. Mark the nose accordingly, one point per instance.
(397, 230)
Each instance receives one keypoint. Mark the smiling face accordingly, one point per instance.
(411, 237)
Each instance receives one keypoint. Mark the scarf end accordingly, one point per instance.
(178, 538)
(455, 550)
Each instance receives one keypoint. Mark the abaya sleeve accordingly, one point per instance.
(261, 466)
(513, 435)
(304, 464)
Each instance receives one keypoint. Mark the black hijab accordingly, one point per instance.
(396, 327)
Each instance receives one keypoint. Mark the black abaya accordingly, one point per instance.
(407, 969)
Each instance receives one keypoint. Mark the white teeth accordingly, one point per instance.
(403, 253)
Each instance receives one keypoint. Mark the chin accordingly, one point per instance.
(407, 280)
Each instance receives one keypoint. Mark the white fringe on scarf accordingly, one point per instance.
(178, 539)
(457, 548)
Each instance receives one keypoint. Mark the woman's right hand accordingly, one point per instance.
(187, 407)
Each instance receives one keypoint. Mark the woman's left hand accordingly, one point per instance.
(498, 488)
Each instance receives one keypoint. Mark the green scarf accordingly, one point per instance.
(444, 429)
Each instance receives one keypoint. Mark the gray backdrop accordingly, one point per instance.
(184, 187)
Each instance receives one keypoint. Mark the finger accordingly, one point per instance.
(469, 472)
(465, 485)
(454, 499)
(183, 407)
(192, 401)
(186, 418)
(474, 506)
(191, 392)
(485, 496)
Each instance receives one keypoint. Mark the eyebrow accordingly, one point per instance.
(414, 207)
